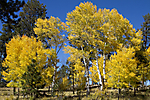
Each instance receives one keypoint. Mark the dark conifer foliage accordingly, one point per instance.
(8, 9)
(146, 31)
(9, 19)
(32, 10)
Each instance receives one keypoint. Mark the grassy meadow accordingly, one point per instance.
(109, 94)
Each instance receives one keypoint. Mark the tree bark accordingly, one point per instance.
(73, 83)
(14, 90)
(99, 73)
(119, 91)
(87, 80)
(49, 89)
(18, 93)
(87, 74)
(104, 64)
(53, 79)
(134, 91)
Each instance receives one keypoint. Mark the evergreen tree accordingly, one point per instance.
(32, 10)
(8, 8)
(146, 31)
(143, 64)
(9, 18)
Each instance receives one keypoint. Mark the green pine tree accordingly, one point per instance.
(146, 31)
(32, 10)
(9, 19)
(145, 45)
(33, 79)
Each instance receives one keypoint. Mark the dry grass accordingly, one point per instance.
(7, 94)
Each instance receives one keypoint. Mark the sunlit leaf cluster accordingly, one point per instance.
(21, 51)
(122, 68)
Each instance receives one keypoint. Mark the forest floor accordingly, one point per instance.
(109, 94)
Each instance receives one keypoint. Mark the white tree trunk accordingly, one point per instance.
(87, 74)
(104, 64)
(55, 63)
(87, 81)
(53, 79)
(99, 73)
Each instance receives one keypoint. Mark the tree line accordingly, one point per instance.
(103, 46)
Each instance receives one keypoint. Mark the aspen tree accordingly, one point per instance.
(49, 31)
(24, 55)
